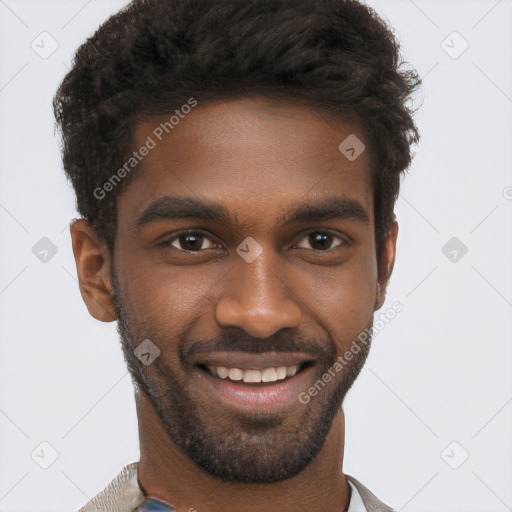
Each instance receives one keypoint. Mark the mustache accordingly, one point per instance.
(322, 347)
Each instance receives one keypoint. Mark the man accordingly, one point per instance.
(236, 165)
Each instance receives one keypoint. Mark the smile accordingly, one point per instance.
(270, 374)
(250, 382)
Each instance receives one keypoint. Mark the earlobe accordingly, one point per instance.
(386, 265)
(93, 267)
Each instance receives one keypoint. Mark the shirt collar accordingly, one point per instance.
(123, 494)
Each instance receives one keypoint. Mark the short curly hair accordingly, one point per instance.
(154, 55)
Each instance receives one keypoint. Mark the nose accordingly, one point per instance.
(258, 299)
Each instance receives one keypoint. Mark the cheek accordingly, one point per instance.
(170, 291)
(167, 301)
(344, 299)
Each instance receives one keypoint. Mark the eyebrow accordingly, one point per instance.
(185, 207)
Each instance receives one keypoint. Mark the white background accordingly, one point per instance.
(439, 373)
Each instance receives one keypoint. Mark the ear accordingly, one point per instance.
(386, 264)
(93, 262)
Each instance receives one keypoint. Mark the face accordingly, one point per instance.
(245, 253)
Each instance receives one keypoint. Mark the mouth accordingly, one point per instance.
(252, 382)
(266, 375)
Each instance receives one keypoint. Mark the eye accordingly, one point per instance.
(189, 241)
(321, 241)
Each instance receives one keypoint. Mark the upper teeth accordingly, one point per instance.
(262, 375)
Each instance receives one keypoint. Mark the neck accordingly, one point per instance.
(165, 472)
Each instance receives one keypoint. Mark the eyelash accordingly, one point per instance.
(168, 242)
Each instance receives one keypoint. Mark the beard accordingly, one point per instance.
(257, 448)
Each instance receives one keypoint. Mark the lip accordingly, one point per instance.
(248, 361)
(253, 398)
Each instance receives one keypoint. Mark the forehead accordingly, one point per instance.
(259, 157)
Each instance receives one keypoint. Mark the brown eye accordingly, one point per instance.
(190, 241)
(321, 241)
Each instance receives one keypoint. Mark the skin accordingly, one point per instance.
(259, 159)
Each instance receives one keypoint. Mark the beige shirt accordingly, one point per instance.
(123, 494)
